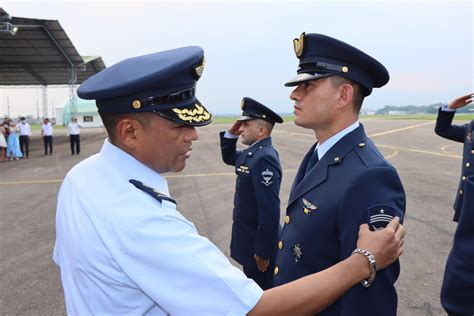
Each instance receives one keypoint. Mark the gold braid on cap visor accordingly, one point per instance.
(198, 114)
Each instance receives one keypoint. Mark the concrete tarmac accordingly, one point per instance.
(429, 167)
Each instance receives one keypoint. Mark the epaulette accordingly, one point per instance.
(153, 192)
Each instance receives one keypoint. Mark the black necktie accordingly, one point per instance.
(312, 161)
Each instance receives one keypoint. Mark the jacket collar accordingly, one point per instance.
(334, 156)
(252, 149)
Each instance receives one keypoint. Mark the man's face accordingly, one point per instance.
(249, 131)
(314, 103)
(164, 145)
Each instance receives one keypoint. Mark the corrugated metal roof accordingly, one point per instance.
(41, 53)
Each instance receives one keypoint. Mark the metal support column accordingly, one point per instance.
(44, 100)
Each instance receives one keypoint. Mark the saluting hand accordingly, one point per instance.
(262, 264)
(461, 101)
(235, 129)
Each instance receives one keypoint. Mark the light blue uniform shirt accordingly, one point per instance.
(120, 251)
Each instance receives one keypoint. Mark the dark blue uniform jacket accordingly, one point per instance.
(461, 134)
(256, 211)
(352, 184)
(457, 293)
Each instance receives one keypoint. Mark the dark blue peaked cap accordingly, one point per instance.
(323, 56)
(252, 109)
(163, 83)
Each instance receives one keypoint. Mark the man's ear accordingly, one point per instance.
(346, 95)
(126, 132)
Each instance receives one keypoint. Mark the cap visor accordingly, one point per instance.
(244, 118)
(194, 114)
(303, 77)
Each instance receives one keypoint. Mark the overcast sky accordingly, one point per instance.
(427, 46)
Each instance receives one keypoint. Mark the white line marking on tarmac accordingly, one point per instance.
(420, 151)
(37, 169)
(400, 129)
(167, 177)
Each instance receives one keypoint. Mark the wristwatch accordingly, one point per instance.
(372, 266)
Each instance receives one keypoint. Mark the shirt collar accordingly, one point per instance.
(130, 168)
(331, 141)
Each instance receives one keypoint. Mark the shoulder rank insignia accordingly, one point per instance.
(153, 192)
(267, 177)
(298, 44)
(308, 207)
(379, 216)
(297, 252)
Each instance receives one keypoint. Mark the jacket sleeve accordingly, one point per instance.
(457, 292)
(374, 198)
(266, 180)
(445, 129)
(228, 149)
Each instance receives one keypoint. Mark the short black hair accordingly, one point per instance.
(359, 91)
(110, 121)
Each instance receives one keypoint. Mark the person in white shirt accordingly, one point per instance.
(73, 130)
(25, 134)
(47, 135)
(123, 247)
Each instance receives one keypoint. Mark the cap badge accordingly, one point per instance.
(200, 68)
(298, 44)
(136, 104)
(242, 104)
(198, 114)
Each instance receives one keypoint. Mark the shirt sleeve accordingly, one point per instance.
(183, 272)
(374, 198)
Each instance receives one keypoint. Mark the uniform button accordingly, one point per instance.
(275, 272)
(472, 151)
(280, 245)
(362, 145)
(468, 164)
(463, 178)
(460, 192)
(337, 159)
(287, 219)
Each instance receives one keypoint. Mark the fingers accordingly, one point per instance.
(363, 228)
(400, 232)
(394, 224)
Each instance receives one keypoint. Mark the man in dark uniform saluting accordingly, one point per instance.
(343, 181)
(457, 292)
(256, 202)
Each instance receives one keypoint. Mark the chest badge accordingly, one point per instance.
(297, 252)
(308, 207)
(469, 137)
(243, 169)
(267, 177)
